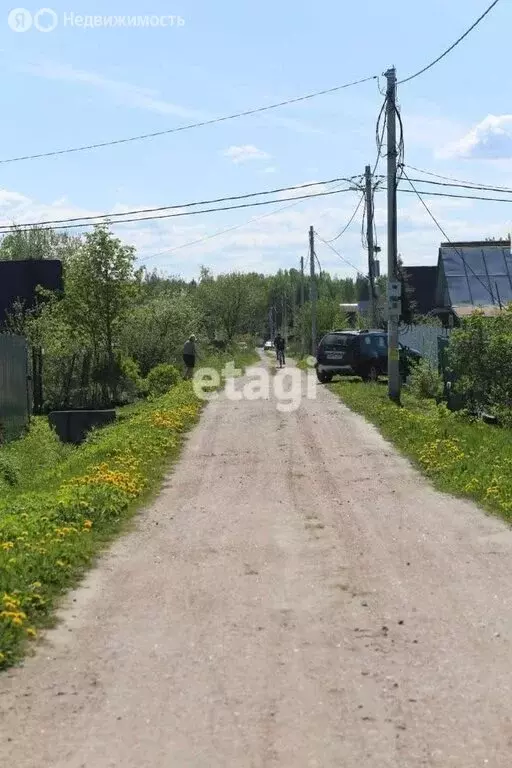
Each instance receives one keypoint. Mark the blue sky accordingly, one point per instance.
(75, 86)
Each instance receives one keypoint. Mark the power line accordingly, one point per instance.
(469, 185)
(401, 144)
(458, 181)
(14, 227)
(438, 225)
(457, 197)
(379, 132)
(109, 216)
(363, 232)
(189, 126)
(349, 222)
(221, 231)
(334, 250)
(454, 196)
(452, 46)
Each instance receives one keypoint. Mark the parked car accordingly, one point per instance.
(268, 345)
(359, 353)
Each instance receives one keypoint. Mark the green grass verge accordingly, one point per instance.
(61, 505)
(466, 458)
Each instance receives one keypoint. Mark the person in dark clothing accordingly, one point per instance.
(189, 356)
(280, 346)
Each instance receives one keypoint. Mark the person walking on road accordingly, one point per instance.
(189, 356)
(280, 345)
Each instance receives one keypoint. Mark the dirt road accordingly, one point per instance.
(297, 597)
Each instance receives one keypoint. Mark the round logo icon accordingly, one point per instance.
(46, 20)
(20, 20)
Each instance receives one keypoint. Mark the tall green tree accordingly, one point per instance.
(233, 304)
(81, 332)
(100, 287)
(38, 243)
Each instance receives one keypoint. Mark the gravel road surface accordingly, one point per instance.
(298, 596)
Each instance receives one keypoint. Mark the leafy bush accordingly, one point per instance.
(480, 355)
(162, 378)
(132, 385)
(156, 329)
(9, 471)
(425, 382)
(38, 451)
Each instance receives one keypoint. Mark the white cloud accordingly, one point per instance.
(9, 200)
(264, 242)
(430, 131)
(270, 169)
(244, 153)
(489, 139)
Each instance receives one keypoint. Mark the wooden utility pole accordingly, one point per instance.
(313, 290)
(394, 293)
(371, 246)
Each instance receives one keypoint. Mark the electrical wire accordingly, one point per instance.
(110, 216)
(379, 133)
(364, 241)
(459, 253)
(458, 182)
(14, 228)
(189, 126)
(220, 232)
(334, 250)
(375, 239)
(475, 187)
(401, 146)
(457, 197)
(349, 222)
(452, 46)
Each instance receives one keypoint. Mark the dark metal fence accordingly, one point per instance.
(14, 387)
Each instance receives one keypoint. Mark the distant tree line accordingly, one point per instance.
(114, 322)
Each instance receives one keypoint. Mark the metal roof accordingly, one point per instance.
(477, 274)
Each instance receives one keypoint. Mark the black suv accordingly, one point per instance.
(359, 353)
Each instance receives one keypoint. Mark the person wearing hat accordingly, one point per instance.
(189, 356)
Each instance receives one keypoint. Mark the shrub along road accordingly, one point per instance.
(297, 596)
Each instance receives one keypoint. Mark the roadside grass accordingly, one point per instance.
(60, 505)
(462, 457)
